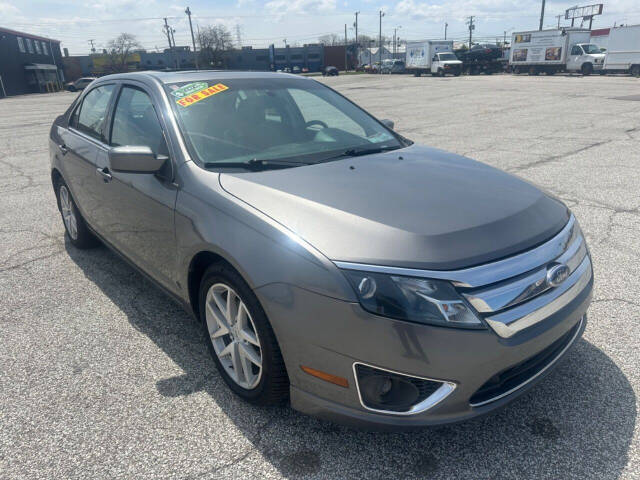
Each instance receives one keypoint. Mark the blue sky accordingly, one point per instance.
(262, 22)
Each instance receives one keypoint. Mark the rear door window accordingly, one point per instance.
(89, 117)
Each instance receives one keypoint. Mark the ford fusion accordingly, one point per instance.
(331, 262)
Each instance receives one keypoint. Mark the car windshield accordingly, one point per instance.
(238, 121)
(591, 48)
(447, 56)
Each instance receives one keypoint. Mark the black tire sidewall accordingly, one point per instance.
(85, 239)
(222, 273)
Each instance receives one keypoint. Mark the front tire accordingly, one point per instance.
(587, 69)
(75, 226)
(240, 338)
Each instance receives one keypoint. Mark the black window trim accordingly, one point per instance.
(121, 84)
(101, 142)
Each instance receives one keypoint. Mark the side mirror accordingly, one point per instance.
(135, 159)
(388, 123)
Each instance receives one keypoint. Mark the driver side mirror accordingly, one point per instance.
(388, 123)
(135, 159)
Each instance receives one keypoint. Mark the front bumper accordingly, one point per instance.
(332, 335)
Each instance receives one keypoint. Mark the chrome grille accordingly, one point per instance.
(513, 304)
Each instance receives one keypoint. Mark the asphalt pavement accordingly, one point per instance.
(102, 376)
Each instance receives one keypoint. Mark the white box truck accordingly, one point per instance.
(557, 50)
(432, 56)
(623, 51)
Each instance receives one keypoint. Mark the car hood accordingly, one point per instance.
(417, 207)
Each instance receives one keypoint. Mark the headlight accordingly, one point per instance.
(420, 300)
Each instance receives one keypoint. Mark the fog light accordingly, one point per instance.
(388, 393)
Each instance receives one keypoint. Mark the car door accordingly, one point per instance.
(80, 145)
(137, 209)
(574, 61)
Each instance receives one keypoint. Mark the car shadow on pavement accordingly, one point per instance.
(577, 423)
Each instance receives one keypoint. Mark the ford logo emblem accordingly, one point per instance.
(557, 274)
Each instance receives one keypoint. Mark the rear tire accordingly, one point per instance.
(272, 385)
(75, 226)
(635, 71)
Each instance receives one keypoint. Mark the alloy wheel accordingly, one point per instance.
(233, 335)
(68, 214)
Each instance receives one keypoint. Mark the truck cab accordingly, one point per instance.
(585, 58)
(445, 62)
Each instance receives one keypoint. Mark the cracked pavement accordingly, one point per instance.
(102, 376)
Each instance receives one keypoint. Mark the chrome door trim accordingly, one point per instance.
(490, 272)
(531, 379)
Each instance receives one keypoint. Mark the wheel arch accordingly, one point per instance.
(198, 265)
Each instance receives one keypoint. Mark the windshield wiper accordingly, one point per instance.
(357, 152)
(255, 164)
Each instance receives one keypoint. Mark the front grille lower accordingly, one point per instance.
(517, 376)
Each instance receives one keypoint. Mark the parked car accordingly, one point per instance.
(296, 69)
(392, 66)
(79, 84)
(328, 259)
(330, 71)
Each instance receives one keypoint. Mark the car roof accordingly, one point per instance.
(196, 75)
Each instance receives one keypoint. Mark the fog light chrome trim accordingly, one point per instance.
(431, 401)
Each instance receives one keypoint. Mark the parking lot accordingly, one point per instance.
(102, 376)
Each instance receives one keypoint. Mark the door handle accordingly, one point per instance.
(63, 149)
(104, 173)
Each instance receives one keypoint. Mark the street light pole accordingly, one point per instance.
(193, 39)
(380, 43)
(445, 30)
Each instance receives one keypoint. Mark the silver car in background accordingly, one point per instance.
(331, 261)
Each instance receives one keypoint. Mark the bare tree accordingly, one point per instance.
(213, 42)
(119, 50)
(330, 40)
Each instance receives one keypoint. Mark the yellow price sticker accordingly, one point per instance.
(201, 95)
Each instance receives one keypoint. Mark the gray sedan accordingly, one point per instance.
(331, 262)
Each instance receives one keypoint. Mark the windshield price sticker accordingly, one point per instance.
(187, 99)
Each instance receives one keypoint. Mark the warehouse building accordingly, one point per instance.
(29, 63)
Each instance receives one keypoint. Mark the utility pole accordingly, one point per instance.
(167, 31)
(471, 29)
(175, 53)
(504, 40)
(93, 50)
(346, 66)
(542, 15)
(395, 40)
(445, 30)
(193, 39)
(380, 43)
(356, 26)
